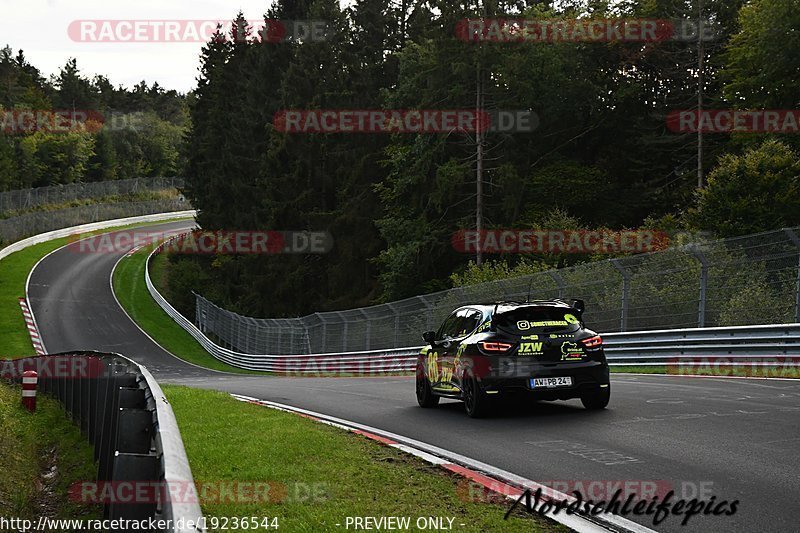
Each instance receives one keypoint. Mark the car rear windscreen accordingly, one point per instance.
(524, 320)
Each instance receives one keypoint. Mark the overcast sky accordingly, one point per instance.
(40, 28)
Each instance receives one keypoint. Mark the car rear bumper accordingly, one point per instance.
(589, 377)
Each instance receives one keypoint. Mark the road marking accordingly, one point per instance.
(598, 455)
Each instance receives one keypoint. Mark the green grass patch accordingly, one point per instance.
(132, 293)
(660, 369)
(778, 370)
(14, 339)
(231, 441)
(42, 454)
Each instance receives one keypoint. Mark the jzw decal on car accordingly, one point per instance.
(532, 348)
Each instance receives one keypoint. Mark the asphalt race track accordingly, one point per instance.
(732, 439)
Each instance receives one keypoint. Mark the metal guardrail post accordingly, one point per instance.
(562, 285)
(796, 240)
(701, 309)
(626, 293)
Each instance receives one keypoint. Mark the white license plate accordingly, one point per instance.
(550, 383)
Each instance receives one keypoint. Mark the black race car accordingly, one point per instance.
(539, 349)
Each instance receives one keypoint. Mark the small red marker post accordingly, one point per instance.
(29, 380)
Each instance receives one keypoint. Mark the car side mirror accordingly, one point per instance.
(429, 337)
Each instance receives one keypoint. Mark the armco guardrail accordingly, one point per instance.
(357, 363)
(93, 226)
(742, 344)
(126, 417)
(751, 345)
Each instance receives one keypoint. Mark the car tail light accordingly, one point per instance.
(495, 346)
(593, 342)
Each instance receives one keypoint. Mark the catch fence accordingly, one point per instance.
(753, 279)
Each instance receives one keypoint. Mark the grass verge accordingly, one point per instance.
(323, 473)
(132, 293)
(661, 369)
(42, 454)
(780, 369)
(14, 269)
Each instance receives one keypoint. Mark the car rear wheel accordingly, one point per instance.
(425, 396)
(597, 401)
(476, 402)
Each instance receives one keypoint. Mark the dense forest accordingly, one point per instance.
(106, 133)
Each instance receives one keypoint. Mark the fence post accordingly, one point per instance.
(701, 310)
(796, 240)
(306, 339)
(562, 286)
(396, 324)
(428, 313)
(324, 344)
(626, 293)
(198, 313)
(369, 327)
(344, 330)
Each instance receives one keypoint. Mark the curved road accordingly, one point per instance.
(730, 439)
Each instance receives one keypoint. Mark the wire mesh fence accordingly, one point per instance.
(16, 228)
(59, 194)
(753, 279)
